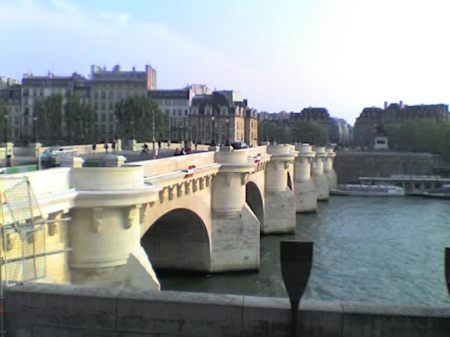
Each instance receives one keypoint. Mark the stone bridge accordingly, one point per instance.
(199, 212)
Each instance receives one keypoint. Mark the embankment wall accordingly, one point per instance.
(54, 310)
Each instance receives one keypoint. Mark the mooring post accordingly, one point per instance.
(296, 262)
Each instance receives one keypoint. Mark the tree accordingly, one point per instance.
(49, 116)
(135, 117)
(3, 120)
(80, 120)
(309, 132)
(424, 135)
(273, 131)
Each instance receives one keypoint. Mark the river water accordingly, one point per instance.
(371, 250)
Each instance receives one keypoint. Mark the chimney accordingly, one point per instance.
(385, 104)
(401, 105)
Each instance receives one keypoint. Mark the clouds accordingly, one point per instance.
(343, 55)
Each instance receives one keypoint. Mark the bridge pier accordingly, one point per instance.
(105, 228)
(328, 168)
(235, 227)
(279, 215)
(320, 179)
(305, 188)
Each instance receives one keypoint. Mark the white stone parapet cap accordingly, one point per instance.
(238, 168)
(114, 198)
(283, 157)
(198, 172)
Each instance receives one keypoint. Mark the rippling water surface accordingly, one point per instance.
(375, 250)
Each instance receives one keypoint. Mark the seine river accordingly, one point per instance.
(372, 250)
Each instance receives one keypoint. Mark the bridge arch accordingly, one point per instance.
(254, 200)
(178, 240)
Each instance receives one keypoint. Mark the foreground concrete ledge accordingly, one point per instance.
(232, 300)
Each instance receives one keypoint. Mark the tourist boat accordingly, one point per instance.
(368, 190)
(440, 193)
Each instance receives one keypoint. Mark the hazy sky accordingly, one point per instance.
(280, 54)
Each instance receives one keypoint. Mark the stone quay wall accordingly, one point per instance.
(350, 165)
(55, 310)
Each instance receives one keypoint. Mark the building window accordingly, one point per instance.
(103, 94)
(103, 117)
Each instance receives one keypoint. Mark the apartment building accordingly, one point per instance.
(110, 86)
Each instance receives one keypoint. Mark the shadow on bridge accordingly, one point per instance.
(178, 241)
(254, 200)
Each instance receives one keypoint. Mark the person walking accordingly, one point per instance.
(94, 147)
(106, 146)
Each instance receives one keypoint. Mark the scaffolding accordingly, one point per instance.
(23, 233)
(23, 252)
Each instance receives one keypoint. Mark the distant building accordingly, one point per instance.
(10, 96)
(35, 88)
(373, 118)
(176, 104)
(220, 115)
(110, 86)
(338, 130)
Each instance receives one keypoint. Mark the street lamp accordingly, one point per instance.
(35, 138)
(227, 142)
(213, 142)
(153, 134)
(6, 128)
(132, 128)
(6, 140)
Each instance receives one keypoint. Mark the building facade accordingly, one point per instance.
(10, 97)
(222, 116)
(110, 86)
(374, 119)
(176, 104)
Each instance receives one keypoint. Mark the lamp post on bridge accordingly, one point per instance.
(35, 138)
(6, 139)
(227, 141)
(213, 142)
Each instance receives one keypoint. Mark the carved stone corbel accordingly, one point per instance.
(171, 190)
(195, 185)
(187, 187)
(244, 178)
(207, 180)
(133, 213)
(10, 241)
(52, 226)
(97, 219)
(161, 195)
(202, 183)
(179, 190)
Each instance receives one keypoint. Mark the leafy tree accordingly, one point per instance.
(49, 120)
(309, 132)
(80, 120)
(3, 116)
(273, 131)
(135, 118)
(424, 135)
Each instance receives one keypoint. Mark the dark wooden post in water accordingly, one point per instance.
(447, 268)
(296, 261)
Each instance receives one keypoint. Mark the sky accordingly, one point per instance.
(343, 55)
